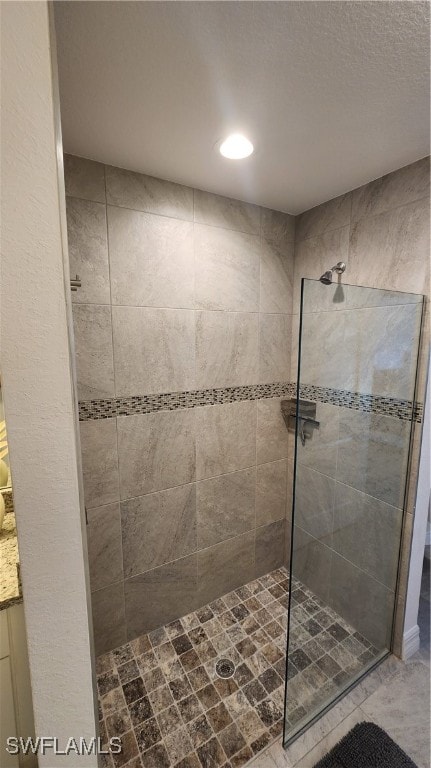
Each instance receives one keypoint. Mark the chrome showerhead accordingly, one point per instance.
(326, 278)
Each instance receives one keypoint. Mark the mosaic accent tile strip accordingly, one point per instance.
(127, 406)
(161, 694)
(387, 406)
(171, 401)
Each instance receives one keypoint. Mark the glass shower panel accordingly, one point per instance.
(351, 423)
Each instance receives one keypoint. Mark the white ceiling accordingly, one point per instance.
(332, 94)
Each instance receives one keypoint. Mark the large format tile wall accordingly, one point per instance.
(187, 292)
(182, 292)
(350, 479)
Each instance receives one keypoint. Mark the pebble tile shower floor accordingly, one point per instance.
(162, 695)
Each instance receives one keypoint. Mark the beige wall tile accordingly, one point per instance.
(325, 217)
(225, 566)
(158, 528)
(104, 546)
(367, 532)
(372, 350)
(219, 211)
(226, 349)
(147, 193)
(326, 360)
(151, 259)
(272, 440)
(225, 506)
(92, 328)
(156, 451)
(390, 250)
(278, 228)
(398, 188)
(154, 350)
(314, 503)
(321, 451)
(380, 349)
(269, 547)
(158, 596)
(84, 178)
(225, 438)
(271, 492)
(88, 250)
(227, 269)
(274, 347)
(294, 348)
(311, 563)
(109, 623)
(276, 278)
(313, 257)
(362, 601)
(374, 454)
(99, 461)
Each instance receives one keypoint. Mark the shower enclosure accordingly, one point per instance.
(189, 414)
(351, 422)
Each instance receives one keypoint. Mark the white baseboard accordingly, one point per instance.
(411, 642)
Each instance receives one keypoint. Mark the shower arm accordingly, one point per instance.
(339, 267)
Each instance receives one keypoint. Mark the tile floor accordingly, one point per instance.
(395, 696)
(162, 695)
(326, 653)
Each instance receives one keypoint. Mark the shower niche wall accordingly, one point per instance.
(358, 354)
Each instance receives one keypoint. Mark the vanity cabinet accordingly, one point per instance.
(16, 709)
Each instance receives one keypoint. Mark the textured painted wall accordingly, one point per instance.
(186, 297)
(37, 389)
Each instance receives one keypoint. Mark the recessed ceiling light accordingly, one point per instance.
(236, 146)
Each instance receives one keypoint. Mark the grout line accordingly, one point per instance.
(191, 482)
(86, 199)
(195, 552)
(147, 212)
(187, 309)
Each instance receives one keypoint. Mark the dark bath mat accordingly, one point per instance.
(366, 746)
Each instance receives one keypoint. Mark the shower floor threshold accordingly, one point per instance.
(162, 695)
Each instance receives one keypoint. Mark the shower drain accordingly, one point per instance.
(225, 668)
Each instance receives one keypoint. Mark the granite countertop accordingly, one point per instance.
(10, 587)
